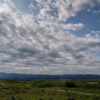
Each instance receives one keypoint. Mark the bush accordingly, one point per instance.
(50, 99)
(96, 97)
(40, 99)
(70, 99)
(70, 84)
(12, 98)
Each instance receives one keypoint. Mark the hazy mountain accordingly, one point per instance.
(34, 77)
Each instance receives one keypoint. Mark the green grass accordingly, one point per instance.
(14, 90)
(44, 94)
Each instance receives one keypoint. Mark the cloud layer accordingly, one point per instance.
(42, 43)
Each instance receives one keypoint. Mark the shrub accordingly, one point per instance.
(50, 99)
(69, 84)
(40, 99)
(70, 99)
(96, 97)
(12, 98)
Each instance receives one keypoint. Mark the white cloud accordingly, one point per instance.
(88, 10)
(46, 12)
(40, 1)
(96, 12)
(32, 7)
(98, 1)
(74, 27)
(67, 9)
(57, 26)
(41, 47)
(46, 46)
(95, 32)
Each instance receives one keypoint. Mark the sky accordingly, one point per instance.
(50, 36)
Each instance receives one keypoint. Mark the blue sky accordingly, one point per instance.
(50, 36)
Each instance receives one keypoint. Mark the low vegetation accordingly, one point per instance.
(46, 89)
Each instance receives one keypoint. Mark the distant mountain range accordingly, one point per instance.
(35, 77)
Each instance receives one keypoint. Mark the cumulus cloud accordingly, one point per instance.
(96, 12)
(57, 26)
(67, 9)
(31, 45)
(98, 1)
(88, 10)
(73, 27)
(46, 12)
(64, 9)
(95, 32)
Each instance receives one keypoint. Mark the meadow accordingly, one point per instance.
(46, 89)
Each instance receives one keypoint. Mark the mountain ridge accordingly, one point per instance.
(41, 76)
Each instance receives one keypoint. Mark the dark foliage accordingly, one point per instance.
(70, 99)
(70, 84)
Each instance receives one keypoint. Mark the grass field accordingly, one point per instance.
(43, 90)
